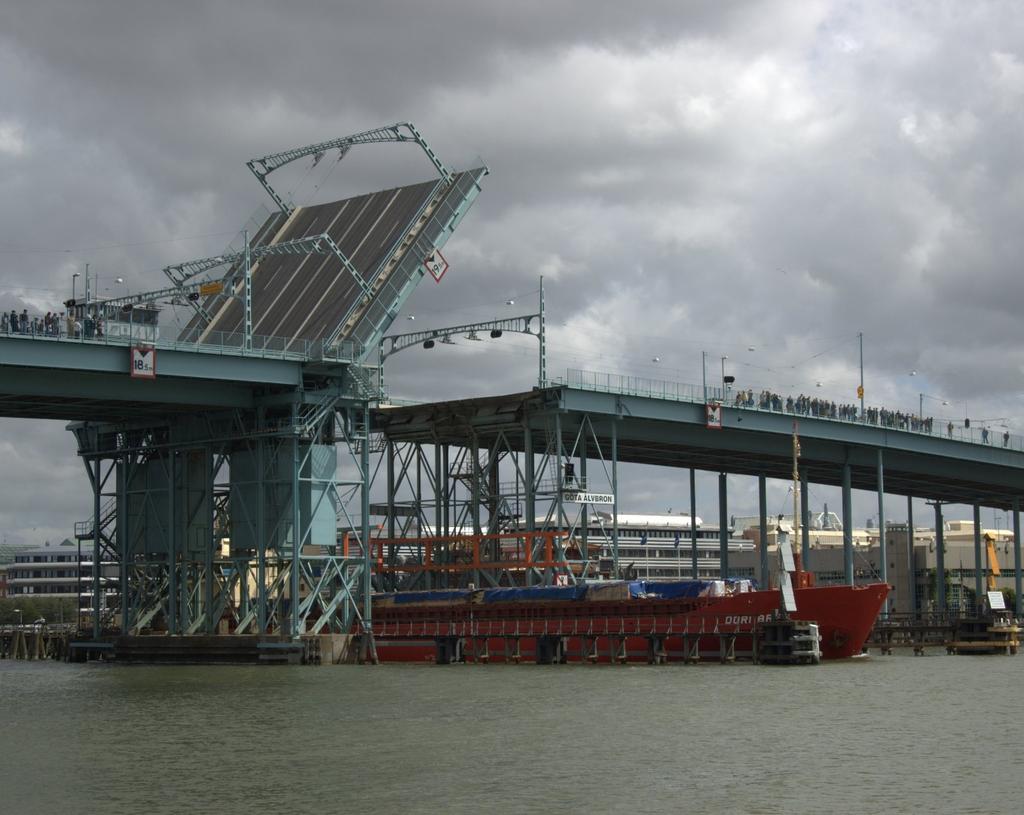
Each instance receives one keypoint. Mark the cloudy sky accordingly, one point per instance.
(687, 177)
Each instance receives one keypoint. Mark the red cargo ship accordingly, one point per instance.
(612, 621)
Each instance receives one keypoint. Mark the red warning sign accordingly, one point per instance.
(713, 415)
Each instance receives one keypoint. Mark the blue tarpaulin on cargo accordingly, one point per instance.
(675, 589)
(670, 590)
(535, 593)
(453, 595)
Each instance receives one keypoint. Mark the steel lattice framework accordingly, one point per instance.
(400, 132)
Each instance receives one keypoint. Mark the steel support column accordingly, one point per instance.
(446, 486)
(173, 588)
(762, 518)
(530, 477)
(476, 495)
(615, 499)
(883, 556)
(389, 452)
(979, 590)
(847, 526)
(122, 540)
(584, 515)
(209, 543)
(296, 537)
(723, 527)
(1019, 601)
(911, 560)
(369, 650)
(261, 540)
(560, 479)
(97, 486)
(439, 481)
(940, 559)
(178, 581)
(694, 571)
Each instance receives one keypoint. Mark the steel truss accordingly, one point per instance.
(228, 522)
(400, 132)
(525, 477)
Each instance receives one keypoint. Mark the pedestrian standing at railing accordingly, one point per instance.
(24, 321)
(984, 435)
(3, 323)
(1006, 438)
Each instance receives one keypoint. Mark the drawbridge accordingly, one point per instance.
(225, 456)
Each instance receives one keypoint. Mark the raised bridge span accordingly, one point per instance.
(224, 456)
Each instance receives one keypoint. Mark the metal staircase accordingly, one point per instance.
(84, 530)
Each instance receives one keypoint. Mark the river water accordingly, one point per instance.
(897, 734)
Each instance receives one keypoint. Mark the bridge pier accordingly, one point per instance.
(1019, 609)
(762, 519)
(188, 487)
(883, 557)
(723, 525)
(911, 560)
(847, 524)
(940, 560)
(979, 590)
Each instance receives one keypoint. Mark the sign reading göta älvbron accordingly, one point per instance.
(580, 497)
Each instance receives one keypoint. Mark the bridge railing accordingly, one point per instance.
(901, 421)
(213, 342)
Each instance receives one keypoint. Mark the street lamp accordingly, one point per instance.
(920, 403)
(726, 380)
(18, 612)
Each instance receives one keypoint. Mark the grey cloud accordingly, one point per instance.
(687, 176)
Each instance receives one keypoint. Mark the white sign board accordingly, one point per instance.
(996, 602)
(436, 265)
(579, 497)
(713, 415)
(561, 580)
(143, 363)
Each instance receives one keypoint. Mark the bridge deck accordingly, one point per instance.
(673, 433)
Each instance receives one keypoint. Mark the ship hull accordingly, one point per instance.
(636, 630)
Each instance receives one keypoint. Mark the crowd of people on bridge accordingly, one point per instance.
(803, 406)
(51, 324)
(826, 409)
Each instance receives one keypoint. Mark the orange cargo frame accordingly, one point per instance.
(469, 548)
